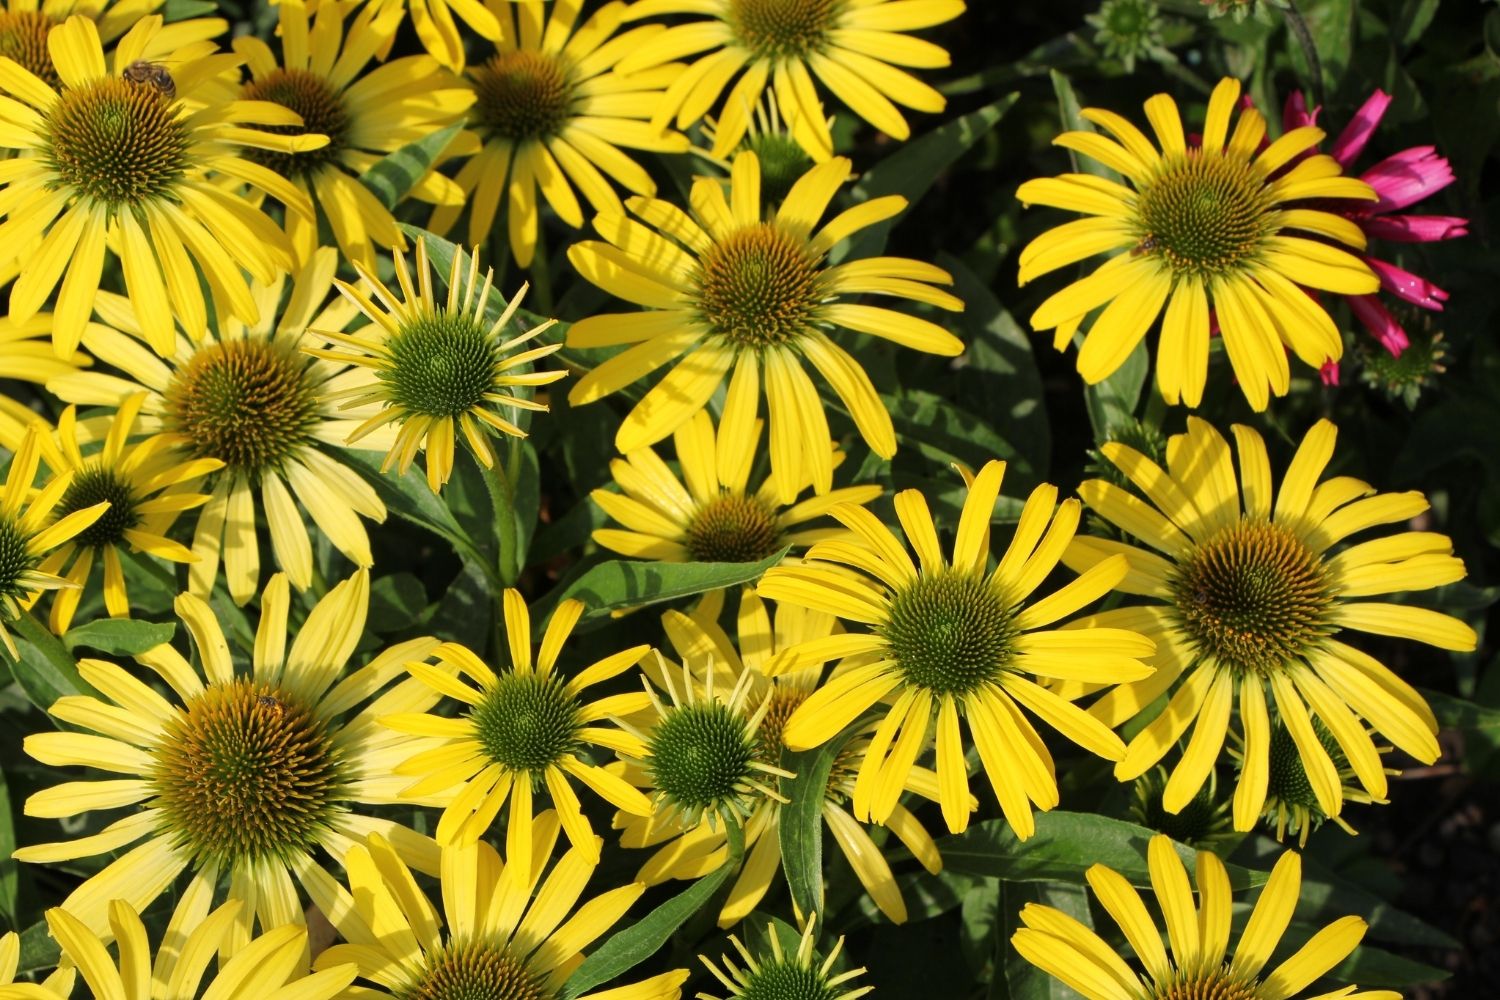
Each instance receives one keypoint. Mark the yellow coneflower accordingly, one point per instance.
(775, 975)
(952, 640)
(1210, 226)
(691, 849)
(138, 162)
(733, 288)
(552, 117)
(709, 514)
(1200, 964)
(240, 777)
(29, 531)
(272, 966)
(247, 397)
(146, 484)
(524, 730)
(503, 931)
(853, 49)
(365, 115)
(1252, 587)
(440, 366)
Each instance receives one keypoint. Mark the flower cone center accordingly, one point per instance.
(733, 529)
(527, 722)
(23, 38)
(782, 163)
(700, 756)
(441, 365)
(245, 772)
(476, 971)
(323, 113)
(523, 95)
(15, 560)
(1216, 985)
(786, 981)
(247, 403)
(758, 287)
(783, 29)
(949, 632)
(1253, 597)
(769, 739)
(94, 484)
(116, 142)
(1287, 781)
(1196, 823)
(1204, 216)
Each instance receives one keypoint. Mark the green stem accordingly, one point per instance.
(541, 274)
(497, 481)
(1298, 26)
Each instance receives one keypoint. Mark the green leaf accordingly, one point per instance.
(1065, 845)
(119, 636)
(916, 165)
(1114, 400)
(46, 670)
(1456, 713)
(9, 876)
(397, 173)
(644, 938)
(397, 600)
(1022, 980)
(1069, 113)
(624, 583)
(408, 496)
(800, 824)
(1376, 968)
(944, 432)
(182, 10)
(38, 949)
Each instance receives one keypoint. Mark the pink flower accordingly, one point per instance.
(1400, 180)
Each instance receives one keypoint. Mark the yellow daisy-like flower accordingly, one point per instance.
(733, 288)
(57, 986)
(692, 849)
(27, 354)
(714, 517)
(275, 418)
(365, 115)
(1253, 586)
(1206, 227)
(1200, 963)
(952, 640)
(504, 931)
(30, 530)
(241, 777)
(146, 484)
(524, 730)
(552, 117)
(853, 48)
(779, 975)
(272, 966)
(136, 166)
(440, 367)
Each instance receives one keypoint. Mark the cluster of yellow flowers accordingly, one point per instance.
(175, 217)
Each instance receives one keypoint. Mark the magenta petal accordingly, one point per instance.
(1294, 113)
(1329, 373)
(1414, 228)
(1351, 141)
(1402, 283)
(1408, 177)
(1379, 321)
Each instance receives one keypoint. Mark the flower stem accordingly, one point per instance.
(502, 502)
(1298, 26)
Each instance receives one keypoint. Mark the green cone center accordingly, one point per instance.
(733, 528)
(949, 632)
(527, 722)
(1211, 985)
(116, 143)
(782, 163)
(522, 95)
(246, 772)
(476, 970)
(783, 980)
(15, 561)
(1287, 781)
(95, 484)
(1253, 597)
(1204, 216)
(700, 755)
(323, 113)
(441, 365)
(783, 29)
(248, 403)
(23, 38)
(758, 287)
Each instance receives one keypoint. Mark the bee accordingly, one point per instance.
(272, 705)
(150, 74)
(1146, 245)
